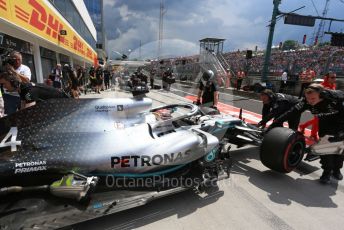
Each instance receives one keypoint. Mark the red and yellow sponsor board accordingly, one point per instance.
(37, 17)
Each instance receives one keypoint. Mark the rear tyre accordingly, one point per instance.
(282, 149)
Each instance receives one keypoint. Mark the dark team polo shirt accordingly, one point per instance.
(208, 91)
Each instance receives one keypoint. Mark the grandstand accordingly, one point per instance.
(319, 58)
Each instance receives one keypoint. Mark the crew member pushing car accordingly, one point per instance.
(274, 105)
(327, 106)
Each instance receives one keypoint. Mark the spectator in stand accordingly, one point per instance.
(329, 81)
(312, 73)
(240, 76)
(12, 99)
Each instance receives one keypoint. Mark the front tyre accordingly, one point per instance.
(282, 149)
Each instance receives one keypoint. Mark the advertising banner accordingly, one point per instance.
(37, 17)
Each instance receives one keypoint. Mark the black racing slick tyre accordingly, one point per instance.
(282, 149)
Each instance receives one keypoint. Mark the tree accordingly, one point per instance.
(290, 45)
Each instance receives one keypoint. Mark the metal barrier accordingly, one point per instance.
(293, 86)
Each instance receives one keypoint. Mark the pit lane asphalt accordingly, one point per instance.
(253, 198)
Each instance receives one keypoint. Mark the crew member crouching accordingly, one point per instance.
(327, 105)
(274, 105)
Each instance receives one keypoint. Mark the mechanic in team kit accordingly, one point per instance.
(274, 105)
(327, 106)
(29, 93)
(208, 90)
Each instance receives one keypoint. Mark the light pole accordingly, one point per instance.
(275, 12)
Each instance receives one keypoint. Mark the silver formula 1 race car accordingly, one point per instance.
(66, 161)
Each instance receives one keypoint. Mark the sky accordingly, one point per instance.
(243, 23)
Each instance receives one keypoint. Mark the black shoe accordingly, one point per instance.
(325, 177)
(337, 175)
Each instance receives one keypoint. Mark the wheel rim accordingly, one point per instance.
(295, 155)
